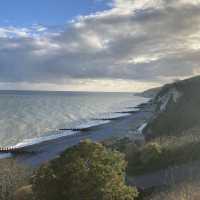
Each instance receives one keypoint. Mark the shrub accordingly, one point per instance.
(150, 153)
(12, 177)
(86, 171)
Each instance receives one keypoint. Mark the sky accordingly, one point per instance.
(47, 12)
(98, 45)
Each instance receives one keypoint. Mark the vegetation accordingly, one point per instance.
(86, 171)
(150, 93)
(158, 153)
(118, 144)
(184, 191)
(172, 136)
(181, 115)
(12, 177)
(93, 171)
(155, 156)
(145, 159)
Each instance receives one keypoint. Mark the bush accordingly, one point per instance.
(86, 171)
(12, 177)
(164, 152)
(146, 159)
(150, 153)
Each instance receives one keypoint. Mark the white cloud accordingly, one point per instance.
(136, 4)
(134, 45)
(13, 32)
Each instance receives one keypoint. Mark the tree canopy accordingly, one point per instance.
(87, 171)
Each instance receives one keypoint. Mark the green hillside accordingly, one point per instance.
(177, 108)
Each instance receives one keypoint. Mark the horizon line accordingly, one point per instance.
(18, 90)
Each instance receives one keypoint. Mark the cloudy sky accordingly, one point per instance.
(98, 45)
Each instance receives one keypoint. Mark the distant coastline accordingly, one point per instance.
(60, 91)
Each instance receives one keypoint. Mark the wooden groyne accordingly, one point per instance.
(108, 119)
(77, 132)
(128, 112)
(11, 150)
(29, 147)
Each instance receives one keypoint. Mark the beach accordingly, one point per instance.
(37, 154)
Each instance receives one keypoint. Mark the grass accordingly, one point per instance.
(159, 153)
(12, 177)
(183, 191)
(171, 151)
(178, 116)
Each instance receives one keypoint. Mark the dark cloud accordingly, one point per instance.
(143, 43)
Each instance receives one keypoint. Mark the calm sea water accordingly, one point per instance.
(27, 116)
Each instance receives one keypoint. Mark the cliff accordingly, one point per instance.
(177, 108)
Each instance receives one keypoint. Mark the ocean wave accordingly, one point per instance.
(53, 135)
(33, 141)
(33, 119)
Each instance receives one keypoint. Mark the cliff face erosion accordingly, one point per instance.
(177, 108)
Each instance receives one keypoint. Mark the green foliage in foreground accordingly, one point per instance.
(88, 171)
(12, 177)
(159, 153)
(153, 156)
(145, 159)
(150, 153)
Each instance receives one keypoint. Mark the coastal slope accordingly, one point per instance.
(177, 108)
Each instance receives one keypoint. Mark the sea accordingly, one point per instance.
(28, 117)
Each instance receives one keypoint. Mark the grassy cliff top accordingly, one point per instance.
(178, 108)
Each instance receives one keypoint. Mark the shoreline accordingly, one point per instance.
(39, 153)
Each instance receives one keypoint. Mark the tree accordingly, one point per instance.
(87, 171)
